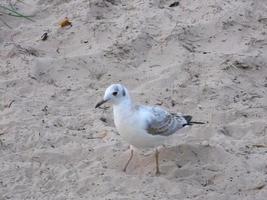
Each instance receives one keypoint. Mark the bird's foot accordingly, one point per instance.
(157, 173)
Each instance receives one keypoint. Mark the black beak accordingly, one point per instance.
(100, 103)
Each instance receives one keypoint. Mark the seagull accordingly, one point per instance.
(142, 126)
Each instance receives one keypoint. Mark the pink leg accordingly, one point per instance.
(157, 162)
(129, 160)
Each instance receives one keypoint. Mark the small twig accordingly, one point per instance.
(97, 137)
(259, 187)
(190, 48)
(32, 77)
(19, 14)
(259, 145)
(9, 105)
(92, 138)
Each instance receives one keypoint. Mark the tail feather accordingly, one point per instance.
(191, 123)
(188, 119)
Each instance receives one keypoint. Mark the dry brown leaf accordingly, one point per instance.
(65, 22)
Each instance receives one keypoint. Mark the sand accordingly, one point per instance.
(203, 58)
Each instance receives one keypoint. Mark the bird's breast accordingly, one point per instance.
(126, 121)
(131, 127)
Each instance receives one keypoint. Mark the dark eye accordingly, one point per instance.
(114, 93)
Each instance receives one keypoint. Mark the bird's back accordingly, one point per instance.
(161, 122)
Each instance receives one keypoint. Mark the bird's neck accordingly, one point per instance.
(121, 112)
(124, 105)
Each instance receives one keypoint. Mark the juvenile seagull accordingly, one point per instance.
(142, 126)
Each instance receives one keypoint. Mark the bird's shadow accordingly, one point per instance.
(179, 162)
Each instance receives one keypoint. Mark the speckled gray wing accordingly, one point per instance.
(164, 123)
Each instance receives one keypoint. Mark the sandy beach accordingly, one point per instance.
(203, 58)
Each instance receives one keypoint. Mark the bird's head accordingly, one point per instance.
(114, 94)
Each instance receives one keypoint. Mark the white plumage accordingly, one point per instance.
(142, 126)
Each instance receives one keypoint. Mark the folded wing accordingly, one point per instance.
(164, 123)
